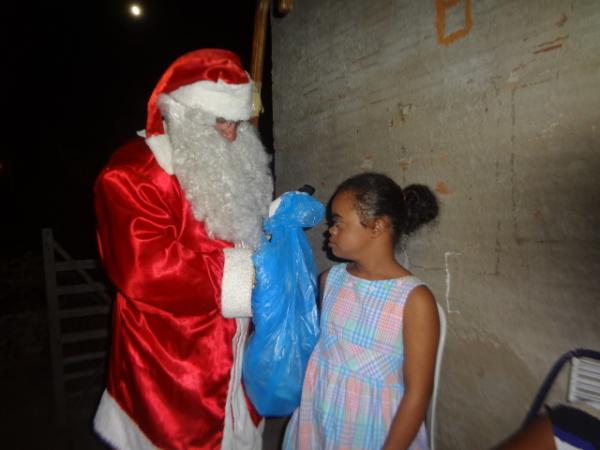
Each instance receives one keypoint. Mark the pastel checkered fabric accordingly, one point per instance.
(353, 384)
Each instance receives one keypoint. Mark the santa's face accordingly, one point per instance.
(223, 170)
(227, 128)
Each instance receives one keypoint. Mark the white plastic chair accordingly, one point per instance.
(584, 381)
(431, 412)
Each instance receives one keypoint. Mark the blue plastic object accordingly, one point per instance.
(286, 323)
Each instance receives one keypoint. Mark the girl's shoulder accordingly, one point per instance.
(413, 286)
(335, 272)
(337, 268)
(411, 281)
(403, 288)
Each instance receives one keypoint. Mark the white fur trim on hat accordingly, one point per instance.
(229, 101)
(236, 286)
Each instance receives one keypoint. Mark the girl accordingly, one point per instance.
(370, 376)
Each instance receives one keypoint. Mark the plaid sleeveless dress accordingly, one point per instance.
(354, 383)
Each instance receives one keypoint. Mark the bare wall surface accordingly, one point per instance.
(496, 106)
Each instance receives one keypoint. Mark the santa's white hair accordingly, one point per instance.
(228, 184)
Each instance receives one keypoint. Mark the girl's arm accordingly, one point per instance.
(421, 330)
(322, 282)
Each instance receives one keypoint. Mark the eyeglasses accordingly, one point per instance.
(223, 121)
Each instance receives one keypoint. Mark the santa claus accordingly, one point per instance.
(179, 213)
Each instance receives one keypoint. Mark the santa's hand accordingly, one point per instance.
(307, 188)
(259, 259)
(274, 205)
(266, 272)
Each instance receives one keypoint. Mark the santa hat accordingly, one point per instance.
(211, 79)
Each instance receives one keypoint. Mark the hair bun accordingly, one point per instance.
(421, 206)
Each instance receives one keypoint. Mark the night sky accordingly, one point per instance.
(77, 76)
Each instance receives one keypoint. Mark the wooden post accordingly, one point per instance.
(258, 43)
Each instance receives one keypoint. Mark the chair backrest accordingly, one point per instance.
(431, 412)
(584, 381)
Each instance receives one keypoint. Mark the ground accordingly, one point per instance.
(27, 415)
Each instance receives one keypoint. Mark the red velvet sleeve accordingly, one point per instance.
(152, 248)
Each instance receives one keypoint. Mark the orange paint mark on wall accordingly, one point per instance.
(547, 49)
(562, 20)
(441, 6)
(554, 41)
(367, 163)
(442, 188)
(405, 163)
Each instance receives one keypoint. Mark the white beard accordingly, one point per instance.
(228, 184)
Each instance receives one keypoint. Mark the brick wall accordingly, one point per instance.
(498, 111)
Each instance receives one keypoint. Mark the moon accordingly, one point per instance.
(135, 10)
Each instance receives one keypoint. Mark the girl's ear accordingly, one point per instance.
(378, 226)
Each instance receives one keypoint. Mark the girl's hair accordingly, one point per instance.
(377, 195)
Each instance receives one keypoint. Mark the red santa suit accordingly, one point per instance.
(181, 313)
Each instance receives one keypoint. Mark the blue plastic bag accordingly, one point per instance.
(286, 323)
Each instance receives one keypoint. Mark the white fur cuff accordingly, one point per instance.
(117, 428)
(236, 286)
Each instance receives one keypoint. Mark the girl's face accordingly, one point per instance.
(348, 238)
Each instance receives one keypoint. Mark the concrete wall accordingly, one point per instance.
(501, 119)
